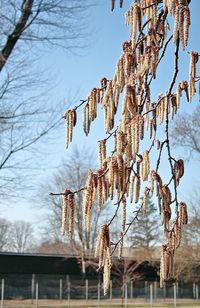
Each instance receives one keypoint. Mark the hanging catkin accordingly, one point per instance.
(145, 166)
(103, 252)
(137, 188)
(70, 119)
(71, 215)
(192, 73)
(101, 151)
(64, 210)
(88, 198)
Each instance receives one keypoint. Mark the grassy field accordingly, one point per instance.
(105, 304)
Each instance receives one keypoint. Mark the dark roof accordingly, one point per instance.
(27, 263)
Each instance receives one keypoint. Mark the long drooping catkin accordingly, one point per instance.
(101, 151)
(174, 240)
(71, 215)
(88, 198)
(192, 73)
(145, 166)
(103, 252)
(70, 119)
(137, 188)
(65, 211)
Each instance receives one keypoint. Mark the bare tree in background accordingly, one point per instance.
(27, 113)
(145, 232)
(51, 22)
(186, 135)
(16, 236)
(187, 262)
(4, 234)
(186, 132)
(21, 236)
(71, 174)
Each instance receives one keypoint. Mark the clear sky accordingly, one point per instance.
(77, 73)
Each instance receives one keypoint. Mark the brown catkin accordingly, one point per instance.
(70, 119)
(105, 189)
(100, 192)
(137, 188)
(120, 171)
(69, 116)
(120, 76)
(176, 25)
(181, 27)
(134, 20)
(106, 276)
(192, 73)
(112, 175)
(101, 151)
(88, 199)
(67, 130)
(84, 121)
(64, 211)
(123, 214)
(102, 251)
(145, 166)
(71, 216)
(141, 127)
(174, 105)
(162, 267)
(183, 215)
(119, 142)
(136, 138)
(186, 15)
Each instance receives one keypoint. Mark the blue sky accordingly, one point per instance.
(77, 73)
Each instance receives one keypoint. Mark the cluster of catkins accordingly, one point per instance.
(173, 242)
(68, 213)
(121, 174)
(103, 252)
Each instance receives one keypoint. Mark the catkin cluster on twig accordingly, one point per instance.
(181, 22)
(174, 240)
(108, 104)
(117, 175)
(133, 18)
(103, 252)
(70, 117)
(122, 174)
(90, 109)
(68, 209)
